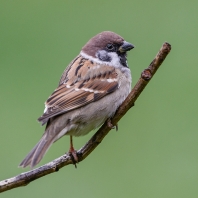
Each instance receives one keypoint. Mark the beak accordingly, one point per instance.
(126, 47)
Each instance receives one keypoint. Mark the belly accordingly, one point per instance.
(83, 120)
(95, 114)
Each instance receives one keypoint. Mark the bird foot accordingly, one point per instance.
(111, 126)
(74, 157)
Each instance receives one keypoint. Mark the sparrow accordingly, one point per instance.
(90, 91)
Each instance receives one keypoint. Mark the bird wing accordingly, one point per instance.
(84, 82)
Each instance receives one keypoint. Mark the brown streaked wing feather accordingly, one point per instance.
(81, 89)
(68, 68)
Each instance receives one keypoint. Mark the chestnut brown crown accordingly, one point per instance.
(100, 41)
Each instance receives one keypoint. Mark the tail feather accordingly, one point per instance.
(37, 153)
(27, 160)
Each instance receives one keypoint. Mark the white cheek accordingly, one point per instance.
(115, 60)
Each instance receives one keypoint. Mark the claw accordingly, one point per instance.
(74, 157)
(73, 153)
(111, 126)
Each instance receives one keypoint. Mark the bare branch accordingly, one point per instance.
(27, 177)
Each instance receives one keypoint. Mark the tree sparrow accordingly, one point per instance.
(90, 90)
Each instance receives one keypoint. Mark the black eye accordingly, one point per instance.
(110, 47)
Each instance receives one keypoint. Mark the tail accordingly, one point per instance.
(37, 153)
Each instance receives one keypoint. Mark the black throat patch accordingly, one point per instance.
(123, 59)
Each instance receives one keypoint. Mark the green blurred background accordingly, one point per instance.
(155, 152)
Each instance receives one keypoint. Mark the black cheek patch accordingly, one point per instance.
(103, 56)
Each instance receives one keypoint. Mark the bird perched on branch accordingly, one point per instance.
(90, 90)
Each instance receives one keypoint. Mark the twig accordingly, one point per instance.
(27, 177)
